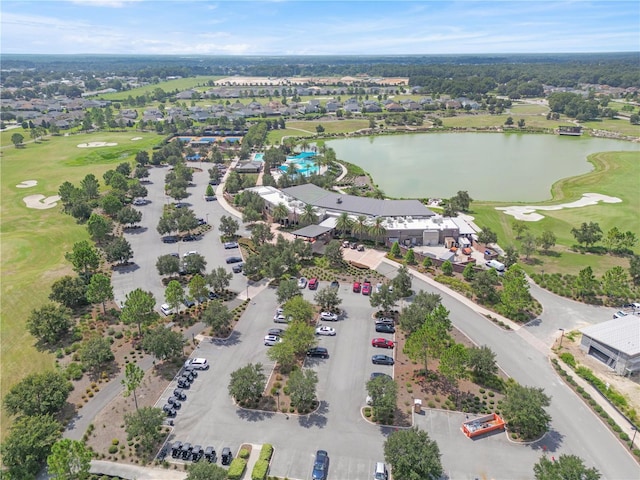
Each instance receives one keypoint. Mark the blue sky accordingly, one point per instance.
(298, 27)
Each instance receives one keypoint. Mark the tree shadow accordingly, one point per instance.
(230, 341)
(253, 415)
(536, 322)
(550, 442)
(532, 261)
(135, 230)
(125, 268)
(551, 253)
(316, 419)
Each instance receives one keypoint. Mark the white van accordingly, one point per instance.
(496, 265)
(380, 473)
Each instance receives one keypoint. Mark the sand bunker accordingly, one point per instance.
(40, 202)
(27, 184)
(528, 212)
(136, 138)
(96, 144)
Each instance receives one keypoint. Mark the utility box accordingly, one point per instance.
(417, 405)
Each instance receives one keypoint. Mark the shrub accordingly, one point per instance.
(113, 449)
(236, 469)
(569, 359)
(259, 470)
(115, 441)
(266, 452)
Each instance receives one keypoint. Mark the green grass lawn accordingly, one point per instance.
(615, 174)
(179, 84)
(303, 128)
(528, 109)
(486, 120)
(33, 242)
(615, 125)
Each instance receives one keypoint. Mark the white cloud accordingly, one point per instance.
(104, 3)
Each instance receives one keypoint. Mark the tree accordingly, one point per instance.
(95, 353)
(565, 467)
(412, 455)
(462, 201)
(546, 240)
(523, 410)
(634, 269)
(217, 315)
(430, 339)
(402, 282)
(167, 223)
(487, 236)
(634, 119)
(145, 425)
(284, 355)
(359, 227)
(410, 257)
(509, 121)
(383, 392)
(588, 233)
(344, 224)
(205, 471)
(219, 279)
(280, 212)
(90, 186)
(515, 295)
(69, 291)
(118, 250)
(198, 288)
(163, 343)
(521, 123)
(333, 253)
(38, 394)
(111, 204)
(100, 290)
(615, 282)
(482, 361)
(69, 460)
(128, 216)
(585, 283)
(99, 227)
(308, 215)
(301, 336)
(209, 192)
(447, 268)
(84, 258)
(385, 299)
(519, 227)
(138, 309)
(133, 376)
(287, 290)
(484, 284)
(174, 294)
(395, 250)
(168, 264)
(298, 309)
(453, 362)
(50, 323)
(377, 230)
(511, 256)
(228, 226)
(261, 233)
(17, 139)
(302, 388)
(414, 315)
(468, 272)
(528, 245)
(247, 383)
(327, 299)
(28, 444)
(194, 263)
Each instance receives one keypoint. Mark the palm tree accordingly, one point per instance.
(378, 193)
(280, 212)
(344, 224)
(308, 215)
(359, 227)
(304, 145)
(377, 230)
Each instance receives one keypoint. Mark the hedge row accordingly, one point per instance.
(266, 452)
(261, 468)
(237, 468)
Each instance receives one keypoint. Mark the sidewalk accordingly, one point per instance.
(251, 461)
(135, 472)
(220, 192)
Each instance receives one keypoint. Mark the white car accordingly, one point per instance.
(271, 340)
(139, 201)
(197, 363)
(620, 314)
(324, 330)
(302, 282)
(166, 309)
(378, 288)
(192, 252)
(329, 317)
(280, 318)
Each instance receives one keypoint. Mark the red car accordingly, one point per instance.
(356, 287)
(313, 284)
(382, 343)
(366, 288)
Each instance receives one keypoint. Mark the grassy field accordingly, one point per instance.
(33, 242)
(485, 120)
(615, 125)
(528, 109)
(179, 84)
(615, 174)
(303, 128)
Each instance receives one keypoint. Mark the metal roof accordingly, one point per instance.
(622, 334)
(311, 231)
(314, 195)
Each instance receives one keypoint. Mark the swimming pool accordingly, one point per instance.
(259, 157)
(304, 167)
(185, 139)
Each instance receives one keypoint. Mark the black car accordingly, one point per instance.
(237, 268)
(211, 294)
(385, 328)
(169, 410)
(335, 285)
(196, 453)
(179, 394)
(186, 451)
(170, 239)
(181, 205)
(174, 402)
(233, 260)
(379, 374)
(188, 376)
(190, 238)
(320, 465)
(320, 352)
(188, 302)
(276, 331)
(210, 454)
(176, 449)
(226, 456)
(193, 371)
(183, 383)
(382, 360)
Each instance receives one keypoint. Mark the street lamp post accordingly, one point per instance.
(207, 218)
(278, 398)
(561, 335)
(635, 430)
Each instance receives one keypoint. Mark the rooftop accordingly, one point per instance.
(622, 334)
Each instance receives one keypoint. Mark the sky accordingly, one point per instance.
(299, 27)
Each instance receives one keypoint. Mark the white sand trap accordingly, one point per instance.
(40, 202)
(528, 212)
(27, 184)
(136, 139)
(96, 144)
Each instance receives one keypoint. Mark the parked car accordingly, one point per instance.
(381, 343)
(186, 451)
(320, 466)
(378, 374)
(380, 472)
(366, 288)
(360, 248)
(356, 287)
(191, 370)
(378, 287)
(335, 285)
(271, 340)
(179, 394)
(190, 252)
(183, 383)
(233, 259)
(176, 449)
(190, 238)
(210, 454)
(226, 456)
(313, 284)
(188, 302)
(276, 331)
(384, 328)
(140, 201)
(174, 402)
(170, 239)
(237, 268)
(620, 314)
(320, 352)
(385, 321)
(230, 245)
(280, 318)
(166, 309)
(324, 330)
(196, 453)
(169, 410)
(181, 205)
(198, 363)
(382, 360)
(328, 316)
(345, 244)
(302, 282)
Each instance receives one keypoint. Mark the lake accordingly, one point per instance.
(490, 166)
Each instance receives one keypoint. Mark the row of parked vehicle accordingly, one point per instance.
(195, 453)
(184, 381)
